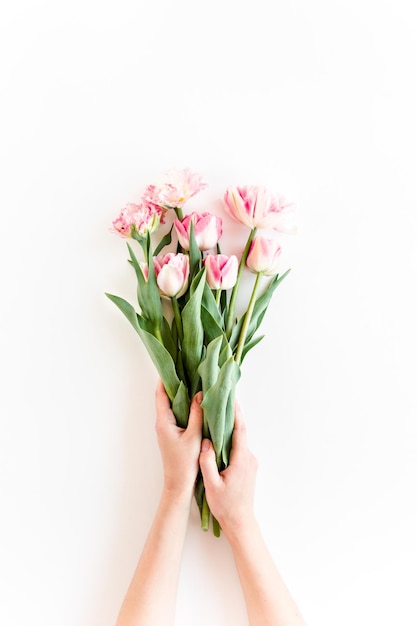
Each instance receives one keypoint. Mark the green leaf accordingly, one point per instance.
(209, 302)
(209, 367)
(194, 253)
(169, 340)
(181, 405)
(229, 424)
(153, 298)
(249, 345)
(162, 360)
(165, 241)
(259, 311)
(210, 325)
(127, 310)
(192, 343)
(215, 402)
(142, 286)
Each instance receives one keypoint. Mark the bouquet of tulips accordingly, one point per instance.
(187, 291)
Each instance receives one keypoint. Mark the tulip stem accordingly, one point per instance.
(205, 514)
(177, 316)
(246, 321)
(179, 213)
(232, 303)
(218, 295)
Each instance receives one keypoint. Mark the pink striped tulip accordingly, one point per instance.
(207, 230)
(264, 256)
(172, 271)
(257, 207)
(221, 271)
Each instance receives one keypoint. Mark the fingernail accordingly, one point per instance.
(199, 397)
(205, 445)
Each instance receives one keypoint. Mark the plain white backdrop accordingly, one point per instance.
(316, 100)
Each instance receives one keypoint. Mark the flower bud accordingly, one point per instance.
(207, 230)
(221, 271)
(172, 272)
(264, 256)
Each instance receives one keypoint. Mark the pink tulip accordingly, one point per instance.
(264, 256)
(138, 220)
(172, 272)
(257, 207)
(174, 188)
(221, 271)
(207, 230)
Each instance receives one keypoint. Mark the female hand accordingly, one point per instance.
(180, 447)
(230, 493)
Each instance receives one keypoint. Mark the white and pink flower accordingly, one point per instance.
(207, 230)
(264, 256)
(174, 189)
(256, 207)
(172, 271)
(221, 270)
(137, 220)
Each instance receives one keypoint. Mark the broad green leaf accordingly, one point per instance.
(249, 345)
(194, 253)
(162, 361)
(169, 340)
(209, 367)
(127, 310)
(165, 241)
(259, 311)
(209, 303)
(152, 294)
(210, 325)
(215, 403)
(181, 405)
(193, 338)
(229, 424)
(142, 286)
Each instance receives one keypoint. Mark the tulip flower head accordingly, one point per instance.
(256, 207)
(172, 272)
(221, 271)
(264, 256)
(207, 230)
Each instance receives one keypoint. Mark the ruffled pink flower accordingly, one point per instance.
(257, 207)
(136, 220)
(221, 271)
(264, 256)
(172, 271)
(207, 230)
(175, 188)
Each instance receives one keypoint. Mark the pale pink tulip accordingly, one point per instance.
(221, 271)
(136, 220)
(172, 272)
(207, 230)
(174, 188)
(257, 207)
(264, 256)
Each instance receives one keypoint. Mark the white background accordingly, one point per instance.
(316, 100)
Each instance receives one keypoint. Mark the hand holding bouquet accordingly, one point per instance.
(187, 291)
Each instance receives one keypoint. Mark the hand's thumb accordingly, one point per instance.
(208, 464)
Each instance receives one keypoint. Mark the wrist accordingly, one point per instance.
(178, 495)
(239, 530)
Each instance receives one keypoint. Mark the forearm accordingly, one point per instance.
(157, 573)
(268, 601)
